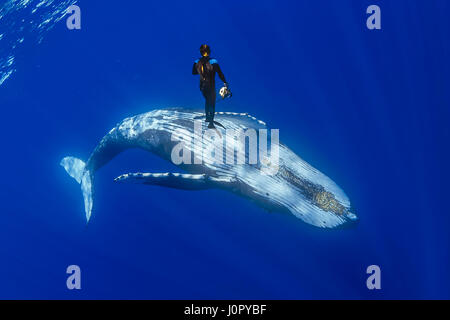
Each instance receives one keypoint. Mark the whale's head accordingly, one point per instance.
(304, 191)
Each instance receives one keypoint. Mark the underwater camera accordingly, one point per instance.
(224, 92)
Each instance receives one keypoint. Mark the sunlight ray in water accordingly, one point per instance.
(26, 19)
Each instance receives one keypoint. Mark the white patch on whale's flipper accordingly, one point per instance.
(76, 168)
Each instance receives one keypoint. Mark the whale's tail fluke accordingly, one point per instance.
(76, 168)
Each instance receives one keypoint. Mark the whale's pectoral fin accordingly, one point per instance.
(178, 180)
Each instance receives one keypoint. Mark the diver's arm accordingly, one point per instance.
(194, 68)
(220, 73)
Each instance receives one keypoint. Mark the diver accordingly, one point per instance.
(207, 68)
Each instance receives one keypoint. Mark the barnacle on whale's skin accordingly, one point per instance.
(323, 199)
(326, 201)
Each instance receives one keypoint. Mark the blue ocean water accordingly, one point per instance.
(368, 108)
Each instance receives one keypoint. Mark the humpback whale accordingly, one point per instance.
(295, 187)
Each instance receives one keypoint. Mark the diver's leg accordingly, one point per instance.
(206, 103)
(209, 105)
(211, 108)
(213, 104)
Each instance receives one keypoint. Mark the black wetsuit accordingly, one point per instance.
(207, 68)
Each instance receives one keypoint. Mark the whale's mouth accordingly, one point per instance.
(184, 181)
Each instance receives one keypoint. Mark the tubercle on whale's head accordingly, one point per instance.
(326, 201)
(320, 201)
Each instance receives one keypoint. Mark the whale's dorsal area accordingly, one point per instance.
(171, 119)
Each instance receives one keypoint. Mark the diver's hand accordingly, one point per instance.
(225, 85)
